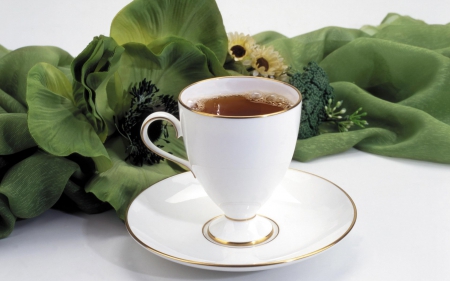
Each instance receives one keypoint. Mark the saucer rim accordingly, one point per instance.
(211, 265)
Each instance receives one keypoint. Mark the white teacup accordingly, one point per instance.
(239, 160)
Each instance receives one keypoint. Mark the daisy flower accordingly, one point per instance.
(240, 45)
(267, 62)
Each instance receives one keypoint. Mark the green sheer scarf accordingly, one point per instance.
(399, 72)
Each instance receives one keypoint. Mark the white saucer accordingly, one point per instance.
(312, 213)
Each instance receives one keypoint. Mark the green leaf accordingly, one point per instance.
(75, 198)
(9, 104)
(235, 68)
(214, 66)
(198, 21)
(8, 161)
(55, 123)
(123, 182)
(118, 99)
(175, 145)
(14, 134)
(7, 219)
(92, 69)
(178, 64)
(3, 51)
(15, 65)
(33, 185)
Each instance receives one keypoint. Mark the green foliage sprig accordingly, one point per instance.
(334, 115)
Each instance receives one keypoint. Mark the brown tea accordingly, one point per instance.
(245, 104)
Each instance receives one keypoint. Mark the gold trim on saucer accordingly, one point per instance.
(240, 117)
(239, 244)
(167, 256)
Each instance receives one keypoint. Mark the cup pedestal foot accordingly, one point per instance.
(240, 233)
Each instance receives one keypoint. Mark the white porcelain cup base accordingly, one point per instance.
(240, 233)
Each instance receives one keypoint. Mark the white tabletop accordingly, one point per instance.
(403, 215)
(401, 234)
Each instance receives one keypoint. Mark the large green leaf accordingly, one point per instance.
(118, 98)
(171, 143)
(214, 66)
(55, 123)
(7, 219)
(123, 182)
(92, 69)
(3, 51)
(33, 185)
(235, 68)
(11, 105)
(14, 134)
(198, 21)
(171, 64)
(15, 65)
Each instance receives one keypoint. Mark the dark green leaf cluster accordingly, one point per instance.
(32, 180)
(144, 103)
(315, 88)
(96, 63)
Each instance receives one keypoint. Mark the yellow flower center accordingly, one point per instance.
(238, 51)
(262, 62)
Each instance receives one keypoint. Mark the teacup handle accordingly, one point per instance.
(176, 124)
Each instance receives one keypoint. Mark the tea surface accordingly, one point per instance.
(247, 104)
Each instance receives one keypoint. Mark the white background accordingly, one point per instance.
(403, 226)
(71, 25)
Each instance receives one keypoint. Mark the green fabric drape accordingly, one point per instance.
(399, 72)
